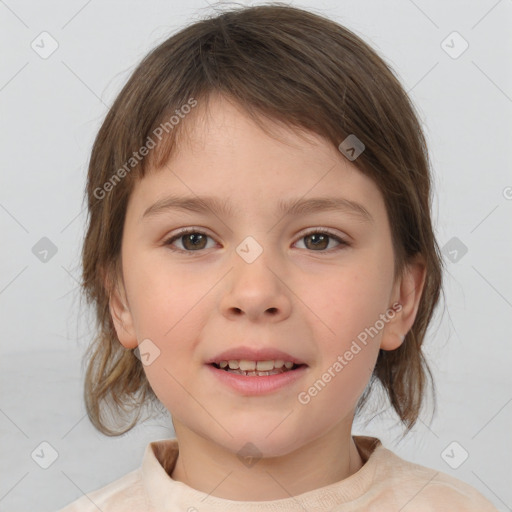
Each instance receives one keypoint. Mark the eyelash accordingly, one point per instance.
(343, 243)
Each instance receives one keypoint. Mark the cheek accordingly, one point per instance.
(169, 384)
(342, 373)
(350, 305)
(350, 300)
(162, 298)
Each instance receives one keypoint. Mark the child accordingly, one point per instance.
(259, 250)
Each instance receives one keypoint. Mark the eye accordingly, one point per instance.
(194, 240)
(191, 239)
(318, 240)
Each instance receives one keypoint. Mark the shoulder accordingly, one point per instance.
(114, 497)
(423, 489)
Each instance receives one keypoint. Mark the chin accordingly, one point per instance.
(262, 440)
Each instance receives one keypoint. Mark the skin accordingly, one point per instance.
(193, 305)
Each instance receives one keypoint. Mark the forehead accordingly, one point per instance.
(224, 153)
(219, 124)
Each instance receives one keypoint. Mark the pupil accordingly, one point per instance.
(317, 239)
(194, 239)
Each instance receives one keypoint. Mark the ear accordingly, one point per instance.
(405, 300)
(121, 314)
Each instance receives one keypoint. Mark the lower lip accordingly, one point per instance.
(261, 385)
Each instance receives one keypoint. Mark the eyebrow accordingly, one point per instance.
(294, 207)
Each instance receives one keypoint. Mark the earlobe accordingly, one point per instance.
(391, 340)
(122, 317)
(408, 292)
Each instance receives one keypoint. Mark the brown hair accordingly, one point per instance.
(287, 65)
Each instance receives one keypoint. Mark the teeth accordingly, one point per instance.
(256, 373)
(257, 366)
(247, 365)
(264, 366)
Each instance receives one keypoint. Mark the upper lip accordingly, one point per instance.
(253, 354)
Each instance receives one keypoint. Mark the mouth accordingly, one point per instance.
(259, 377)
(249, 368)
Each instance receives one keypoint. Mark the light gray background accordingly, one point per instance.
(51, 111)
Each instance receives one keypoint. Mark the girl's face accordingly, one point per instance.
(313, 285)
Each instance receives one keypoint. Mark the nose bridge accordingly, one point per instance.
(255, 285)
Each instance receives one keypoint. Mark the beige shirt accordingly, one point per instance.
(385, 483)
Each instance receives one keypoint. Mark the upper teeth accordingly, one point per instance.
(263, 366)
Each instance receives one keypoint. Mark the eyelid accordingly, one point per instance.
(169, 240)
(321, 229)
(341, 239)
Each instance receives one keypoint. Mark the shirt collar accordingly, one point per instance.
(164, 493)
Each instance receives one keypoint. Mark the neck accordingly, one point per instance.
(209, 467)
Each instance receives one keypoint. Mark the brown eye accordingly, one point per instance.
(194, 241)
(191, 240)
(318, 241)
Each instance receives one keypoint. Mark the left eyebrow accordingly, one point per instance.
(294, 207)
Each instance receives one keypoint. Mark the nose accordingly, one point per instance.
(257, 290)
